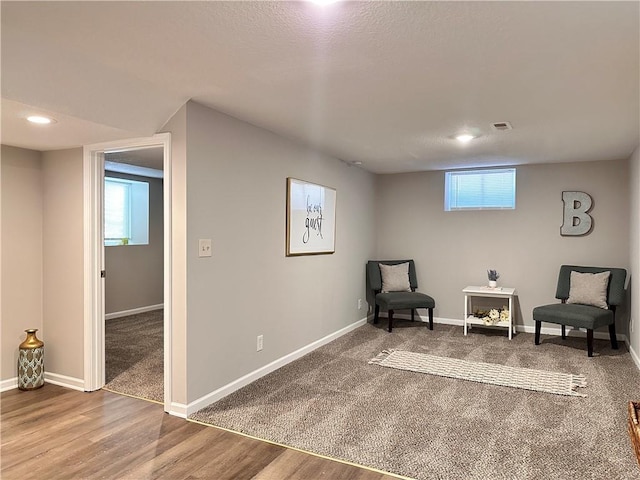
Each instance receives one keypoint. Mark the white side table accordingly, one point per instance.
(498, 292)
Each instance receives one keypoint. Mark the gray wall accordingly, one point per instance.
(135, 272)
(455, 249)
(236, 195)
(63, 262)
(42, 257)
(21, 252)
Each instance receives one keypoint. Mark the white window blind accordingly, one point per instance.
(117, 210)
(487, 189)
(126, 212)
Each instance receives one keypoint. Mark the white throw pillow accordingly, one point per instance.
(395, 278)
(589, 288)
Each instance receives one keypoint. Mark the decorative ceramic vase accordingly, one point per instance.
(493, 284)
(31, 362)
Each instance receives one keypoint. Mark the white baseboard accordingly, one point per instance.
(53, 378)
(133, 311)
(424, 318)
(446, 321)
(634, 355)
(64, 381)
(261, 372)
(178, 410)
(8, 384)
(572, 332)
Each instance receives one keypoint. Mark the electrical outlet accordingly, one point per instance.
(259, 343)
(359, 303)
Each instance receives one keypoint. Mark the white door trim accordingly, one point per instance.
(93, 168)
(93, 173)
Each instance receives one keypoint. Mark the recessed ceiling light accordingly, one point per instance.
(40, 120)
(465, 137)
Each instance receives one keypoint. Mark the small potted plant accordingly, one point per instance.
(493, 278)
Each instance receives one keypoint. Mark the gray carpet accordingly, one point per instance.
(334, 403)
(134, 355)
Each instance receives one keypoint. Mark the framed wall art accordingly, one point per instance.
(311, 218)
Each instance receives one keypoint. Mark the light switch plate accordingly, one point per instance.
(204, 247)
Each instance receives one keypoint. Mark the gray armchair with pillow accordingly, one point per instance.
(394, 284)
(589, 297)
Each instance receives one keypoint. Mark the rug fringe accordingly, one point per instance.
(578, 381)
(381, 356)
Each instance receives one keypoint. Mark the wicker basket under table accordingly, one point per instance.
(634, 427)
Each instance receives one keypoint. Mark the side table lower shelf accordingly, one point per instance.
(471, 320)
(487, 292)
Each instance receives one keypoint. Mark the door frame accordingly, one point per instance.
(93, 175)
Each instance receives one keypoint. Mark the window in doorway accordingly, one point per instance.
(126, 212)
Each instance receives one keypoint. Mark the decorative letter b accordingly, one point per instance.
(576, 220)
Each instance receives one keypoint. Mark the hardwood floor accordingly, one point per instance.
(57, 433)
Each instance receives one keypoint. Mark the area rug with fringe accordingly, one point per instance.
(525, 378)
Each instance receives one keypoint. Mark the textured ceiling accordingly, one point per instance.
(384, 83)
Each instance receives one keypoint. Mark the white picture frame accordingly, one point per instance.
(311, 218)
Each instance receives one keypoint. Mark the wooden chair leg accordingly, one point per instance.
(538, 328)
(590, 342)
(390, 320)
(564, 332)
(612, 336)
(376, 314)
(430, 318)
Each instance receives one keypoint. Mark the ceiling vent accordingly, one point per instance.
(500, 126)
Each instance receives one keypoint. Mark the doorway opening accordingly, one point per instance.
(128, 263)
(134, 271)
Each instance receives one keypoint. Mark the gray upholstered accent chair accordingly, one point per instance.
(397, 300)
(580, 315)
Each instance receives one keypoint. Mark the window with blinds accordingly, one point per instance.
(487, 189)
(126, 212)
